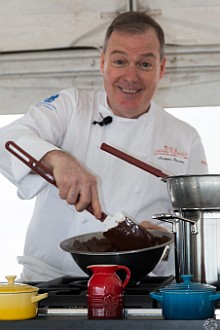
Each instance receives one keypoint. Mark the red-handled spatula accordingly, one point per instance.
(38, 167)
(132, 160)
(119, 229)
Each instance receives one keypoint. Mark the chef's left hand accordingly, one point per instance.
(148, 225)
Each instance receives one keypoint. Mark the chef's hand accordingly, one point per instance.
(148, 225)
(76, 185)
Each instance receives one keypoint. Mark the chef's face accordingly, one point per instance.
(131, 68)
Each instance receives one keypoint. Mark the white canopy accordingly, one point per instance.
(47, 45)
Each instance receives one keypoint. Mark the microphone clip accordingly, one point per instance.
(105, 121)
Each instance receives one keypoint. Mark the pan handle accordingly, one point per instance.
(38, 168)
(172, 219)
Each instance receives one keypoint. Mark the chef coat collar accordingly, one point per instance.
(105, 110)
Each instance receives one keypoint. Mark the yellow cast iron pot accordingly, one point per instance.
(18, 301)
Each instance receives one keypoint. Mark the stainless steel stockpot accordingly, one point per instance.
(194, 192)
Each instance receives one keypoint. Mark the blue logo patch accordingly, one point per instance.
(47, 101)
(51, 98)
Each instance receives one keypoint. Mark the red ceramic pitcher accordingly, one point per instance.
(105, 292)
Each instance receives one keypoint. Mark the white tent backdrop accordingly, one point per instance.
(49, 24)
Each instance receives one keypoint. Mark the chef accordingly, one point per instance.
(65, 132)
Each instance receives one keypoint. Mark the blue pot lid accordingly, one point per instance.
(188, 286)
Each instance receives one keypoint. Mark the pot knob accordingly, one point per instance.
(10, 279)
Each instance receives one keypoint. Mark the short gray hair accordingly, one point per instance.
(135, 23)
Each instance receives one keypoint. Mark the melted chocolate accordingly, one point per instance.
(129, 236)
(126, 236)
(94, 245)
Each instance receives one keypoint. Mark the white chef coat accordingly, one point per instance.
(65, 121)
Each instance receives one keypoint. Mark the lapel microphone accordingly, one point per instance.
(105, 121)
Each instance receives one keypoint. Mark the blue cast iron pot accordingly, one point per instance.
(187, 300)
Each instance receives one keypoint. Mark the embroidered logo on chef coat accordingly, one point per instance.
(171, 153)
(47, 102)
(51, 98)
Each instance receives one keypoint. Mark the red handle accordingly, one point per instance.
(38, 167)
(133, 161)
(128, 274)
(30, 161)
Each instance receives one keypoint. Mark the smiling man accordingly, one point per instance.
(132, 64)
(65, 131)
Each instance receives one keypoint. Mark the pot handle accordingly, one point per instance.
(215, 296)
(39, 297)
(156, 295)
(128, 275)
(172, 218)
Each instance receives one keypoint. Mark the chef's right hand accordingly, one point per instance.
(76, 185)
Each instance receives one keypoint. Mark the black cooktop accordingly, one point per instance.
(72, 292)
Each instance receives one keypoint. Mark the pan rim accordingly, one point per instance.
(169, 242)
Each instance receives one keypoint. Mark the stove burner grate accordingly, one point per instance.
(68, 292)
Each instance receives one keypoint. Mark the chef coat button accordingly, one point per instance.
(84, 220)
